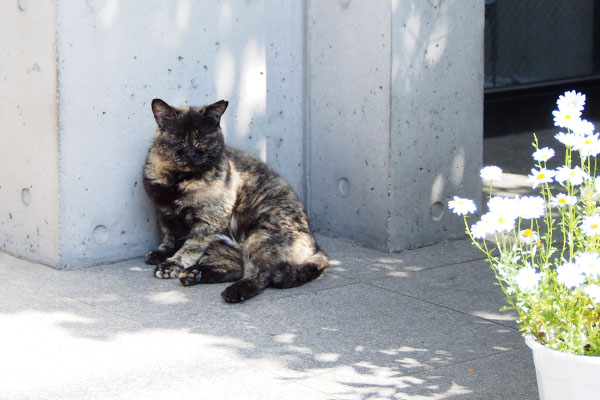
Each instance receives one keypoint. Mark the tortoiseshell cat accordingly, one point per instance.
(224, 214)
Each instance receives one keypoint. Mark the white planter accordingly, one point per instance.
(565, 376)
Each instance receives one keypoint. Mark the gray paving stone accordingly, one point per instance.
(354, 333)
(355, 262)
(467, 287)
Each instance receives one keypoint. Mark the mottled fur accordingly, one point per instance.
(224, 215)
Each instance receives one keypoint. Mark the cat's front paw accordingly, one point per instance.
(240, 291)
(167, 270)
(190, 276)
(155, 257)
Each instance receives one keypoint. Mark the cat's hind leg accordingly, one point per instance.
(221, 262)
(261, 252)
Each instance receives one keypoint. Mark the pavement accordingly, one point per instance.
(420, 324)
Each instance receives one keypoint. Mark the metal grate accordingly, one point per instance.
(540, 41)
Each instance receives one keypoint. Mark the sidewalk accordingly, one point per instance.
(422, 324)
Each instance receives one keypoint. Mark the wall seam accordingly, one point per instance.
(306, 126)
(58, 135)
(389, 127)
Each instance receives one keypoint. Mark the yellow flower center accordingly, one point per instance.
(595, 226)
(541, 176)
(588, 141)
(527, 233)
(562, 201)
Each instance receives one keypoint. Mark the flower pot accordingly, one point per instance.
(563, 375)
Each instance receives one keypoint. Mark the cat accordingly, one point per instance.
(224, 214)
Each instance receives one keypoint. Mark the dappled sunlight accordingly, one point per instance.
(184, 14)
(170, 297)
(437, 188)
(457, 168)
(422, 44)
(510, 186)
(225, 71)
(252, 98)
(509, 316)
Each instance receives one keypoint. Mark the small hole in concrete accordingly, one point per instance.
(343, 187)
(26, 196)
(436, 211)
(100, 234)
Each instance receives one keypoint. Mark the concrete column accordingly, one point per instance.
(396, 108)
(29, 217)
(80, 77)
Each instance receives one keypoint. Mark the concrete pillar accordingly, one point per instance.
(371, 110)
(28, 132)
(396, 108)
(78, 78)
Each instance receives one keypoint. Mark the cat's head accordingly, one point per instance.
(190, 136)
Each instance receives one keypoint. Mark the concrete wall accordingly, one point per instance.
(28, 131)
(114, 57)
(320, 90)
(436, 117)
(396, 106)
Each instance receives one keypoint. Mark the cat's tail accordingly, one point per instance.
(288, 275)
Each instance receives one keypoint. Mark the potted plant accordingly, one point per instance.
(545, 253)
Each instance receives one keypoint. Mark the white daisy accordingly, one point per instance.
(540, 176)
(566, 117)
(527, 236)
(589, 264)
(575, 176)
(527, 279)
(568, 139)
(562, 200)
(481, 230)
(570, 275)
(491, 173)
(582, 127)
(591, 225)
(593, 292)
(588, 145)
(530, 207)
(543, 154)
(499, 222)
(462, 206)
(571, 99)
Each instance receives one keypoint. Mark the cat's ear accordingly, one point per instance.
(216, 110)
(163, 113)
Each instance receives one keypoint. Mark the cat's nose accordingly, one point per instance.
(188, 151)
